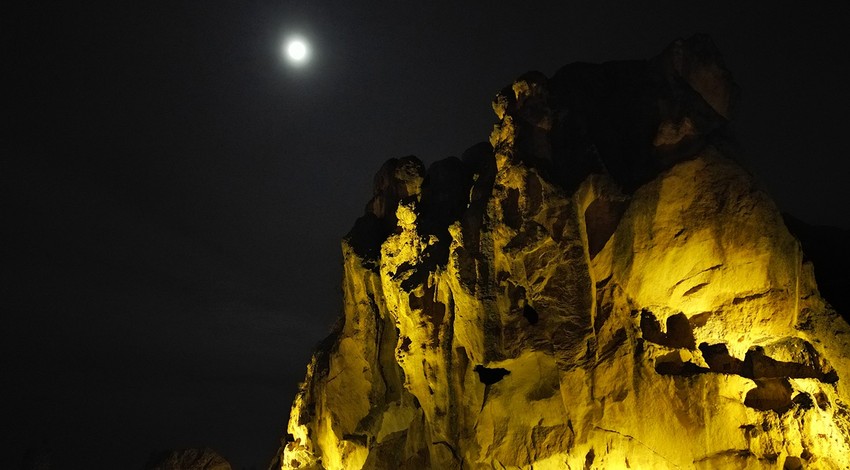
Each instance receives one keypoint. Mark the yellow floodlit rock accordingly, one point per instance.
(585, 295)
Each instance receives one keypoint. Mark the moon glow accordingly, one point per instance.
(296, 51)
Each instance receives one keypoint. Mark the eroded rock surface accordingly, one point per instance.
(600, 287)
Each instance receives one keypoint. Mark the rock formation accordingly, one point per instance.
(188, 459)
(601, 286)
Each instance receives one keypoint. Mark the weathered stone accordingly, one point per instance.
(602, 287)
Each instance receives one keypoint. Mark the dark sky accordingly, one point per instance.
(175, 193)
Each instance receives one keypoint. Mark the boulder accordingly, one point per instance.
(188, 459)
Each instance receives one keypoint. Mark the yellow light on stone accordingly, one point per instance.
(691, 337)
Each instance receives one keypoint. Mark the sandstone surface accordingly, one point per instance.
(600, 286)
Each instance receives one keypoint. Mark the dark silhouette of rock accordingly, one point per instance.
(188, 459)
(38, 458)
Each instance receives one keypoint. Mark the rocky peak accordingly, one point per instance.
(629, 119)
(600, 286)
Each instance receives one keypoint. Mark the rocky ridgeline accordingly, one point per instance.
(600, 286)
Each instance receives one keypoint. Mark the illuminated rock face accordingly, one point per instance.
(600, 287)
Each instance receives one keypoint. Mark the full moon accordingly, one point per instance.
(296, 50)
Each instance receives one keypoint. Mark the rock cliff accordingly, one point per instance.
(600, 286)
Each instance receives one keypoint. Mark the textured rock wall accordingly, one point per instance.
(601, 286)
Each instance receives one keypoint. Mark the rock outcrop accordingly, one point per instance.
(188, 459)
(601, 286)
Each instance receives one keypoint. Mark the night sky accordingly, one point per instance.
(174, 192)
